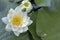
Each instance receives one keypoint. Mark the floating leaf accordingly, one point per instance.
(32, 27)
(48, 22)
(43, 2)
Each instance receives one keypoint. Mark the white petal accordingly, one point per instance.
(23, 14)
(10, 14)
(18, 8)
(30, 22)
(19, 12)
(5, 20)
(18, 29)
(26, 0)
(14, 28)
(8, 27)
(29, 8)
(24, 17)
(25, 29)
(26, 22)
(11, 10)
(28, 3)
(16, 33)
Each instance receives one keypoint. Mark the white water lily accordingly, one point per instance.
(17, 22)
(25, 4)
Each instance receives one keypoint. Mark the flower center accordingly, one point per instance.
(26, 4)
(17, 20)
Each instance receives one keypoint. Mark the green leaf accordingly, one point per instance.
(32, 27)
(43, 2)
(5, 5)
(48, 22)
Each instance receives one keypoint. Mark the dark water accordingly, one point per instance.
(2, 6)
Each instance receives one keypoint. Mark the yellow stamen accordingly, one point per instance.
(26, 4)
(17, 20)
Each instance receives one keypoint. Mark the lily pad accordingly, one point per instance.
(45, 3)
(32, 27)
(48, 22)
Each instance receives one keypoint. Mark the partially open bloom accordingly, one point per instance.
(17, 22)
(25, 4)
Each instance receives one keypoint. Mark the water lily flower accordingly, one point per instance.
(25, 4)
(17, 22)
